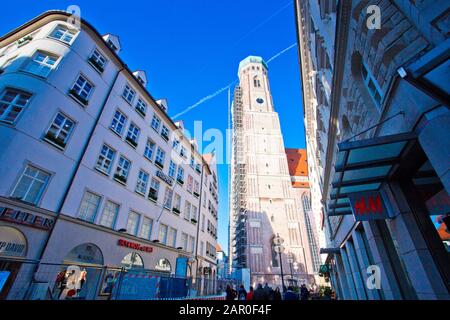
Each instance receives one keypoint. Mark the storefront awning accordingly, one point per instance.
(363, 166)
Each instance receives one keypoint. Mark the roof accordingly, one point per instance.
(298, 166)
(218, 248)
(252, 59)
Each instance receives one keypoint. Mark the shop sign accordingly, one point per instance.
(368, 206)
(134, 245)
(12, 242)
(164, 177)
(25, 218)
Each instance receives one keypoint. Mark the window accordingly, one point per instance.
(176, 144)
(12, 102)
(183, 152)
(128, 94)
(256, 82)
(162, 235)
(149, 149)
(196, 188)
(118, 123)
(105, 159)
(89, 206)
(41, 64)
(142, 182)
(203, 222)
(177, 203)
(133, 222)
(98, 61)
(155, 122)
(180, 175)
(190, 183)
(187, 210)
(154, 189)
(192, 162)
(81, 90)
(109, 215)
(60, 130)
(194, 214)
(172, 169)
(202, 248)
(168, 195)
(165, 133)
(31, 185)
(159, 160)
(141, 107)
(172, 241)
(191, 244)
(63, 34)
(133, 135)
(184, 241)
(122, 170)
(146, 228)
(371, 85)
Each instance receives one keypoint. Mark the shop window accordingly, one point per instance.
(163, 265)
(132, 261)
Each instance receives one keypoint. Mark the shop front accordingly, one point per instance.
(401, 220)
(89, 262)
(23, 233)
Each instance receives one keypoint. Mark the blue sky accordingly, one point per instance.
(190, 49)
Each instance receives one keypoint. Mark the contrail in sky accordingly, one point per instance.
(212, 95)
(281, 52)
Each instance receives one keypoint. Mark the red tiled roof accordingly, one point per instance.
(297, 162)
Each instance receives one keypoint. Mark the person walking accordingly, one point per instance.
(290, 294)
(277, 294)
(259, 293)
(242, 293)
(250, 294)
(268, 291)
(304, 293)
(230, 293)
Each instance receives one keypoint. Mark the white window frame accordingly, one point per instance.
(122, 169)
(133, 134)
(156, 123)
(99, 60)
(137, 222)
(146, 222)
(60, 129)
(34, 179)
(160, 157)
(44, 67)
(78, 89)
(128, 94)
(149, 150)
(142, 182)
(106, 214)
(103, 157)
(118, 122)
(172, 169)
(82, 215)
(67, 31)
(13, 106)
(141, 107)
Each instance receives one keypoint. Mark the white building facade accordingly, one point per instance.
(263, 203)
(87, 149)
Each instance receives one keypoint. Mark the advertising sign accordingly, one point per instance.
(368, 206)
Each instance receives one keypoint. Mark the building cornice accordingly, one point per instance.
(341, 37)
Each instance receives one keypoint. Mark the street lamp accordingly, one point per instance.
(291, 260)
(279, 248)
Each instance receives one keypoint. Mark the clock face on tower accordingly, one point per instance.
(260, 100)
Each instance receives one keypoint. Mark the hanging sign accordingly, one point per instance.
(368, 205)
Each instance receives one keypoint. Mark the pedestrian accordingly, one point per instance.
(230, 295)
(277, 294)
(290, 294)
(268, 291)
(242, 293)
(250, 294)
(259, 293)
(304, 293)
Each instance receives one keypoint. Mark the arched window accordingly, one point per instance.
(132, 261)
(163, 265)
(256, 82)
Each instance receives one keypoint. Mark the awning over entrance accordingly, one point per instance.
(363, 166)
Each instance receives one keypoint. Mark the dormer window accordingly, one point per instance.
(112, 46)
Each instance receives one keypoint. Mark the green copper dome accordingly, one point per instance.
(252, 59)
